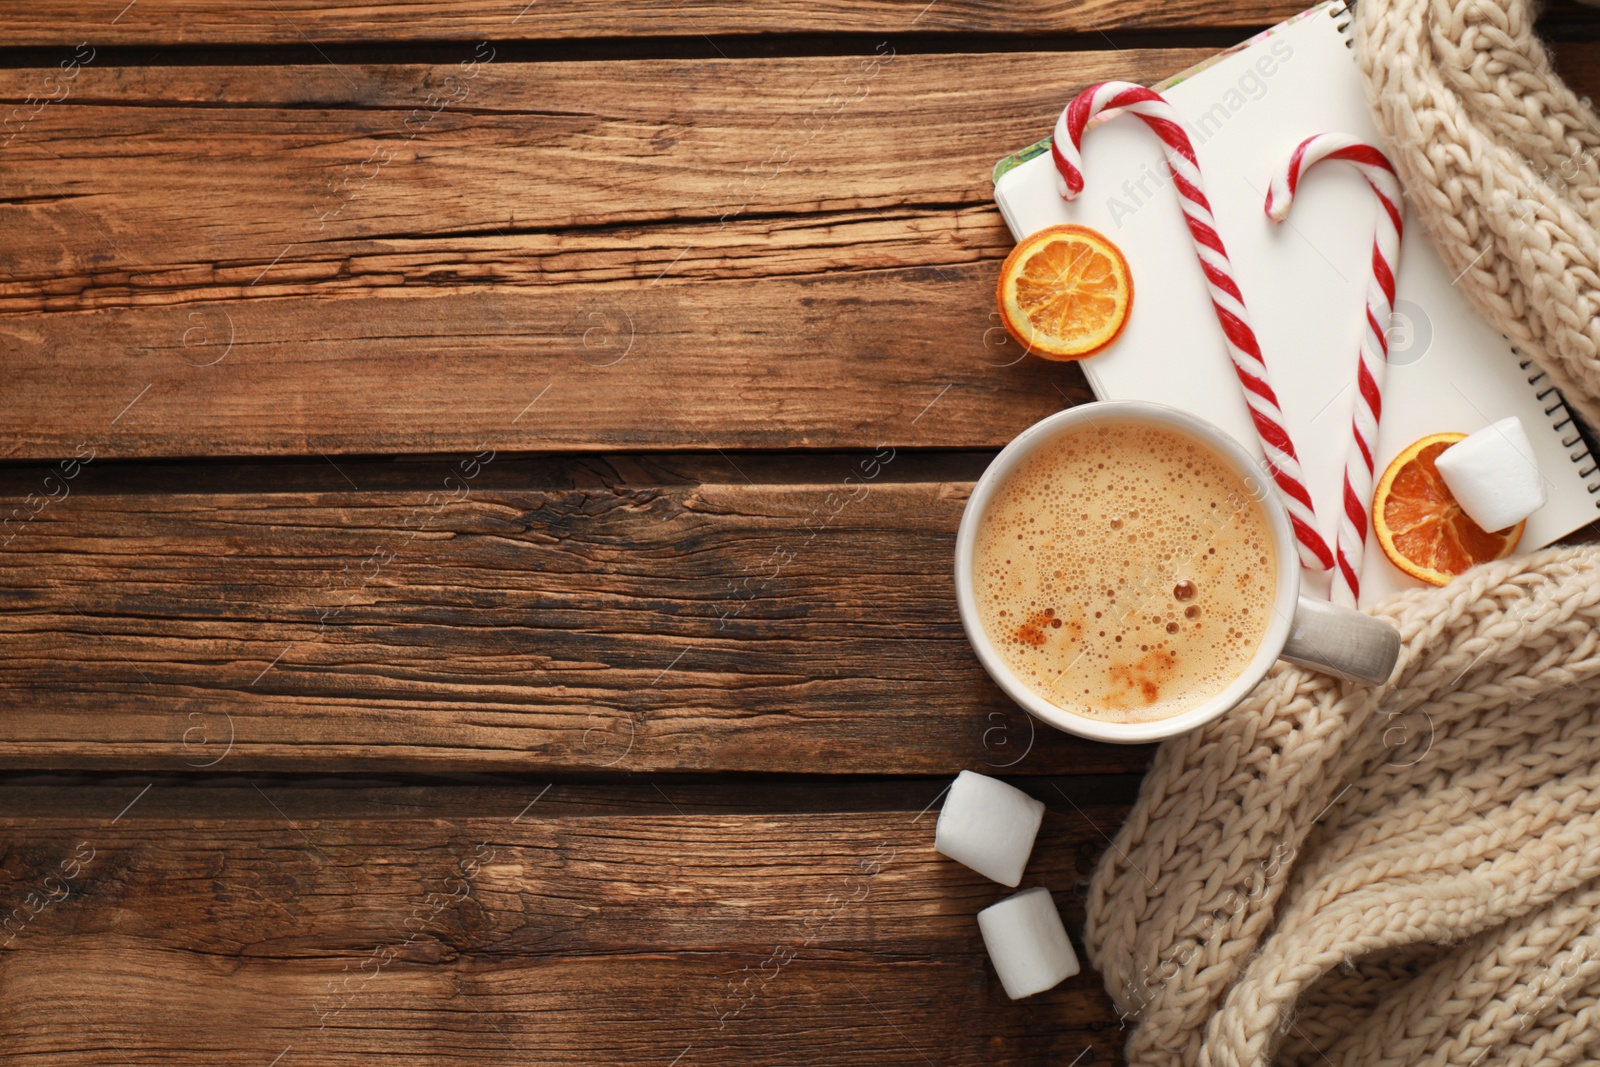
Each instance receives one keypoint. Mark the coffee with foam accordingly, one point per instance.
(1124, 572)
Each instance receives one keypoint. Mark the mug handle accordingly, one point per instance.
(1341, 642)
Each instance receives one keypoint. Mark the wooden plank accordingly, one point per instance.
(762, 614)
(194, 925)
(506, 247)
(296, 22)
(714, 365)
(158, 172)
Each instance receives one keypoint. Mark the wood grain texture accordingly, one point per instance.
(640, 237)
(763, 614)
(237, 924)
(295, 22)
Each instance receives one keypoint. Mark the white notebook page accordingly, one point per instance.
(1304, 283)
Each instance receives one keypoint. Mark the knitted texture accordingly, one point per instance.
(1501, 165)
(1338, 874)
(1351, 876)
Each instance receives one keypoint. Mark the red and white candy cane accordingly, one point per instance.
(1354, 520)
(1226, 298)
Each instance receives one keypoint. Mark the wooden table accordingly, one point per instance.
(481, 484)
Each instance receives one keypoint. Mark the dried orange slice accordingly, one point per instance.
(1065, 292)
(1420, 526)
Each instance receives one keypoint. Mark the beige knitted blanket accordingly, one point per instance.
(1342, 876)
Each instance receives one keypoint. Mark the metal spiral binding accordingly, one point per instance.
(1574, 438)
(1346, 11)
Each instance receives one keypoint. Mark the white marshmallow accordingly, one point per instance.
(1027, 943)
(1493, 475)
(989, 826)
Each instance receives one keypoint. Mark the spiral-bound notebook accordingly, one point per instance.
(1304, 281)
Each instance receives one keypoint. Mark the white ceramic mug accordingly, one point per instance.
(1311, 633)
